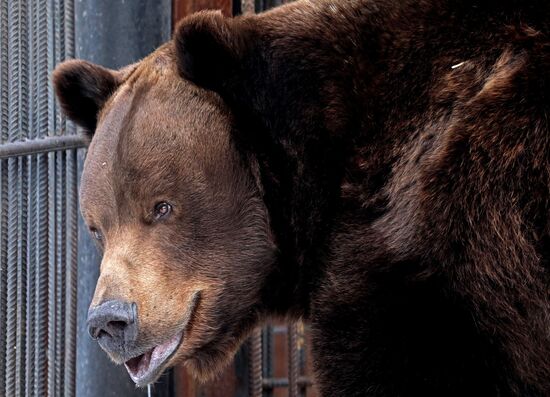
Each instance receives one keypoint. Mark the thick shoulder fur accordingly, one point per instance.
(410, 144)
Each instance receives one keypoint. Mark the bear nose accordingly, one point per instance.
(114, 319)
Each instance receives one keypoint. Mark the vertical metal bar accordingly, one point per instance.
(60, 271)
(52, 214)
(17, 108)
(59, 55)
(31, 276)
(3, 270)
(255, 382)
(301, 352)
(32, 55)
(23, 126)
(4, 123)
(41, 39)
(4, 65)
(21, 277)
(31, 206)
(267, 357)
(43, 125)
(11, 318)
(52, 243)
(69, 29)
(71, 228)
(71, 272)
(293, 361)
(41, 343)
(49, 63)
(59, 33)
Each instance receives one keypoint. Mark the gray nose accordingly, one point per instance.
(113, 322)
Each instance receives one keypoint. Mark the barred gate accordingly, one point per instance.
(38, 203)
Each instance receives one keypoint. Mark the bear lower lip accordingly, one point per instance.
(145, 368)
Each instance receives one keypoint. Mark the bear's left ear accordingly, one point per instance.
(210, 49)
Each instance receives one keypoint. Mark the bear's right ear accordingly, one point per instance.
(210, 47)
(82, 89)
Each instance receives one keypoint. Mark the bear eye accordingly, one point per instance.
(96, 234)
(162, 210)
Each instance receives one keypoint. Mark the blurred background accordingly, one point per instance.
(48, 264)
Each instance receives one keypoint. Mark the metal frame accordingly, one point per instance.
(44, 145)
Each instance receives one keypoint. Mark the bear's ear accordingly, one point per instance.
(209, 48)
(82, 89)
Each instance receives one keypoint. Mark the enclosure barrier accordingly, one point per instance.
(262, 361)
(38, 203)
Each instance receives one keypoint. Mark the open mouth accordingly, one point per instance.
(145, 368)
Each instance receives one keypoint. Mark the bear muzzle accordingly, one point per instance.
(114, 325)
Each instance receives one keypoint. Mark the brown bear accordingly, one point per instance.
(379, 168)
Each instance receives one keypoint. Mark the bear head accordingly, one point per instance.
(175, 207)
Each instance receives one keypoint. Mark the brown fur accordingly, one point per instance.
(380, 168)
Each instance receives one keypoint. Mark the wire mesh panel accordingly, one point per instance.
(38, 203)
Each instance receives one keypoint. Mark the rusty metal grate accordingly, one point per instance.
(38, 203)
(277, 370)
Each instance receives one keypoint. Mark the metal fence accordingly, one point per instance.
(279, 362)
(38, 203)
